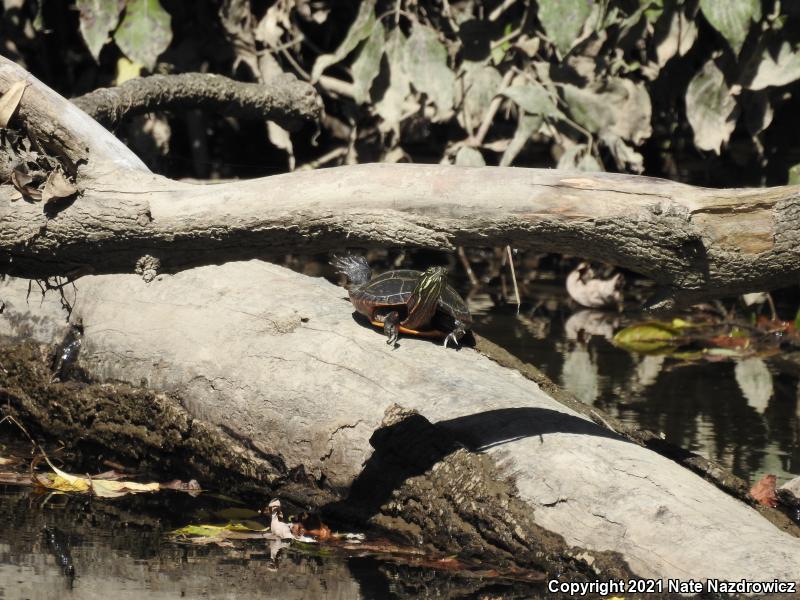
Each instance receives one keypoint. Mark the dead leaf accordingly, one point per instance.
(103, 488)
(764, 493)
(57, 187)
(23, 182)
(20, 179)
(10, 101)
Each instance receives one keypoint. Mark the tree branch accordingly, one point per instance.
(697, 243)
(285, 100)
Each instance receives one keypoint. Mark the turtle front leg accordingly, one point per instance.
(391, 327)
(455, 336)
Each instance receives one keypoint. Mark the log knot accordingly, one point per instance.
(148, 267)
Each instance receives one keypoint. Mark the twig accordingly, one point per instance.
(467, 267)
(337, 86)
(325, 158)
(506, 38)
(295, 65)
(498, 12)
(285, 46)
(492, 110)
(513, 276)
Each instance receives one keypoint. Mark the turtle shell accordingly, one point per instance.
(392, 290)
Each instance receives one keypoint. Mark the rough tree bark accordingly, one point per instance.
(285, 100)
(697, 243)
(447, 448)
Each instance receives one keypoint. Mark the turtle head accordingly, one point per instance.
(431, 284)
(425, 297)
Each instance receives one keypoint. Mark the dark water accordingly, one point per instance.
(744, 414)
(121, 550)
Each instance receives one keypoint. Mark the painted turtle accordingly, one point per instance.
(406, 301)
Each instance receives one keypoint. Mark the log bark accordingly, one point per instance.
(697, 243)
(286, 100)
(444, 447)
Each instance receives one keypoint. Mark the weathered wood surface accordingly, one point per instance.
(276, 358)
(697, 243)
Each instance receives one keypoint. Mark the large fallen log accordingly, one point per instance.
(445, 447)
(697, 243)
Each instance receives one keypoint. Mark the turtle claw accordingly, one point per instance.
(455, 335)
(390, 327)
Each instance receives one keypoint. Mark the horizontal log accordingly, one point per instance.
(446, 447)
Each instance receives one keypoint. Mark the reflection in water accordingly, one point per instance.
(745, 415)
(579, 374)
(74, 548)
(125, 554)
(755, 381)
(648, 370)
(584, 324)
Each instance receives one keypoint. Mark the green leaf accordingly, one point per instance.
(367, 64)
(732, 18)
(615, 106)
(426, 65)
(778, 70)
(390, 106)
(794, 179)
(653, 9)
(97, 19)
(144, 32)
(360, 30)
(469, 157)
(533, 98)
(674, 33)
(527, 125)
(481, 83)
(710, 108)
(653, 336)
(563, 20)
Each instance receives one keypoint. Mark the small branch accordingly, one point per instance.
(285, 100)
(337, 86)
